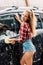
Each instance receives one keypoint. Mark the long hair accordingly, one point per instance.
(32, 22)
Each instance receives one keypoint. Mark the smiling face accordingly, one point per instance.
(25, 16)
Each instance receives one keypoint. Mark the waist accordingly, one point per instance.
(27, 40)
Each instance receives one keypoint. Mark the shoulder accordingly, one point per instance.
(25, 25)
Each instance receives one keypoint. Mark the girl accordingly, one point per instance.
(27, 31)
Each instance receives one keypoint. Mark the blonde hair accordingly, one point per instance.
(32, 22)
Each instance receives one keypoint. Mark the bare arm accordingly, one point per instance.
(14, 40)
(11, 41)
(18, 18)
(27, 3)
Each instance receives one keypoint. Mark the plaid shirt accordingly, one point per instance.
(25, 32)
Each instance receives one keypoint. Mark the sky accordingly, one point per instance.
(38, 3)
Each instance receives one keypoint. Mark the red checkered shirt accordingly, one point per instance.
(25, 32)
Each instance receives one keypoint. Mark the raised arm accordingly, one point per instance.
(18, 18)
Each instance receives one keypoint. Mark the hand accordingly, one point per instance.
(17, 17)
(9, 41)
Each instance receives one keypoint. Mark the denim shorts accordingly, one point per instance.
(28, 46)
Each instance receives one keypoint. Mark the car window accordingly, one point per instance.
(39, 23)
(42, 23)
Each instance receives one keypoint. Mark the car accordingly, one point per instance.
(38, 40)
(9, 24)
